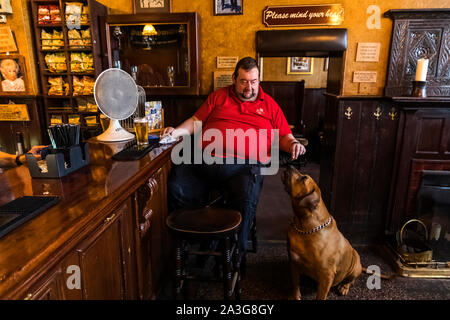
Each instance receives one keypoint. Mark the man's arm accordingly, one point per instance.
(7, 160)
(291, 145)
(186, 126)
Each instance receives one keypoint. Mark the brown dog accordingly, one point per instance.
(316, 247)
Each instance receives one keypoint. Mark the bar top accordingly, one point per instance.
(86, 193)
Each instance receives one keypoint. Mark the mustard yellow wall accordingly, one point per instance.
(20, 24)
(235, 35)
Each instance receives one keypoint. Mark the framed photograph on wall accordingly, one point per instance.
(227, 7)
(299, 65)
(13, 75)
(152, 6)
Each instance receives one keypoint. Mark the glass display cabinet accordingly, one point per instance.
(160, 51)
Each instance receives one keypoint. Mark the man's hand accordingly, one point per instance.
(296, 150)
(167, 131)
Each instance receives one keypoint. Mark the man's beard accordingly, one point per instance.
(251, 97)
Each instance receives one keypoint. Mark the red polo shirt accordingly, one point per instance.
(224, 112)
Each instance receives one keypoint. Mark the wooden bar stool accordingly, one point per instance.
(187, 225)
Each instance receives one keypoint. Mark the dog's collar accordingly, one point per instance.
(312, 230)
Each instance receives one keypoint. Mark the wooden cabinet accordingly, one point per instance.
(105, 239)
(164, 58)
(68, 53)
(50, 288)
(152, 246)
(101, 258)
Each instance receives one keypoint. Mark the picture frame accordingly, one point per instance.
(228, 7)
(13, 75)
(300, 65)
(152, 6)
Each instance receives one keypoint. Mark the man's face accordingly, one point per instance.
(246, 84)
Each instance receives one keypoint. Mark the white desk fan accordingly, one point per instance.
(116, 95)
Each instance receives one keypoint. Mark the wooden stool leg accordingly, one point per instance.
(236, 267)
(227, 281)
(178, 269)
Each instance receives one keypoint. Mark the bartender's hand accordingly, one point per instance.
(36, 151)
(296, 150)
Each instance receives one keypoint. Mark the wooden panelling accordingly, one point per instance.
(356, 170)
(289, 96)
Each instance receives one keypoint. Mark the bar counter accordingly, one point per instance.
(104, 239)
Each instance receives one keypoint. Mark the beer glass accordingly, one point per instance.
(141, 129)
(104, 121)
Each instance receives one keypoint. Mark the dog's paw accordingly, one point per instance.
(343, 289)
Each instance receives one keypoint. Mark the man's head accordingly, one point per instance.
(246, 79)
(9, 69)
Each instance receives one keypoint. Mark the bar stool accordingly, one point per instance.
(208, 223)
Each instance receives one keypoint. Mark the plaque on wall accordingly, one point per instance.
(368, 52)
(284, 16)
(14, 112)
(152, 6)
(222, 79)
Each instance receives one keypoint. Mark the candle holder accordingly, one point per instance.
(419, 89)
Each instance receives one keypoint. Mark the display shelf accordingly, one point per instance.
(70, 50)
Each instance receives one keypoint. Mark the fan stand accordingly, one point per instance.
(115, 132)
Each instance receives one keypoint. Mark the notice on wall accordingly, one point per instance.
(368, 52)
(222, 79)
(226, 62)
(365, 76)
(14, 112)
(7, 42)
(297, 15)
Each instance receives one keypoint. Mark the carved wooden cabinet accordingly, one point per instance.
(152, 246)
(357, 153)
(419, 33)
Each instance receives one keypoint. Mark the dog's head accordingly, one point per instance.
(302, 188)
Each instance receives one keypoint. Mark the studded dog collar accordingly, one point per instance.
(312, 230)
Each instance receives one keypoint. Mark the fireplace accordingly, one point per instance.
(433, 208)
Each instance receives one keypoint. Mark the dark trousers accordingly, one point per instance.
(190, 185)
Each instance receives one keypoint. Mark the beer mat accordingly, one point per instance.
(20, 210)
(134, 152)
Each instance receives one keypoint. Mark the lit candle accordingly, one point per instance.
(422, 68)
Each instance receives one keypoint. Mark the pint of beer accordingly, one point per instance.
(104, 121)
(141, 129)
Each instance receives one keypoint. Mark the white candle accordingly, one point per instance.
(422, 68)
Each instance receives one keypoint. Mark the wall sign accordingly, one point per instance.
(365, 76)
(7, 43)
(227, 62)
(222, 79)
(14, 112)
(330, 14)
(368, 52)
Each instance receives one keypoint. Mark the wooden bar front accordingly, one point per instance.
(105, 239)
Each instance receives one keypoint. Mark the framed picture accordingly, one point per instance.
(227, 7)
(13, 74)
(152, 6)
(299, 65)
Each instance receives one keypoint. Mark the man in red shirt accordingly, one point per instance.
(241, 119)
